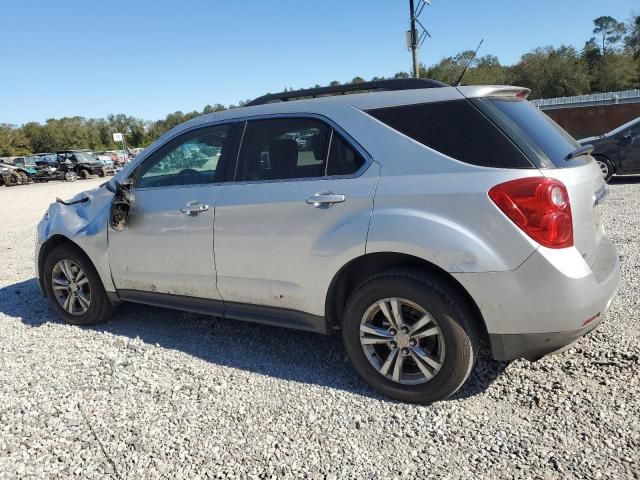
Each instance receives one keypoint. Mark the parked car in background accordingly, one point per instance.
(51, 167)
(617, 152)
(84, 163)
(11, 175)
(420, 222)
(133, 152)
(28, 163)
(107, 163)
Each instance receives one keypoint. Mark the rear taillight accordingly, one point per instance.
(539, 206)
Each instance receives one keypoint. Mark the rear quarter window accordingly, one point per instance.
(532, 130)
(457, 129)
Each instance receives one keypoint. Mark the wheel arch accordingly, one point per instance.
(48, 246)
(359, 269)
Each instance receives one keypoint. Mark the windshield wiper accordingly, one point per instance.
(578, 152)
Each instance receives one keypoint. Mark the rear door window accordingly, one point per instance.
(457, 129)
(283, 148)
(343, 158)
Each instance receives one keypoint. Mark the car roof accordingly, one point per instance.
(362, 101)
(335, 105)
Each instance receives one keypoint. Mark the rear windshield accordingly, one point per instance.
(530, 125)
(457, 129)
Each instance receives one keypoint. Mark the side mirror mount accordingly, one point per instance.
(629, 140)
(120, 204)
(113, 185)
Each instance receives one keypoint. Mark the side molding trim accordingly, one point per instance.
(279, 317)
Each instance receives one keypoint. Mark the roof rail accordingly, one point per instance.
(388, 85)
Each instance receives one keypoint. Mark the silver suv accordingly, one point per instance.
(418, 219)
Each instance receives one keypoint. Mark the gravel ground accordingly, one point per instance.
(162, 394)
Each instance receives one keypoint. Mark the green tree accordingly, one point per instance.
(402, 75)
(632, 40)
(610, 32)
(616, 71)
(551, 72)
(591, 53)
(212, 109)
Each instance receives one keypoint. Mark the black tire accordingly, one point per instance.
(102, 172)
(11, 180)
(84, 174)
(100, 307)
(447, 307)
(605, 166)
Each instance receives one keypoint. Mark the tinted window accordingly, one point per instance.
(632, 123)
(456, 129)
(190, 160)
(539, 129)
(343, 159)
(282, 149)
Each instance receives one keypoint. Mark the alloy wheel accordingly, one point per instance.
(604, 168)
(71, 287)
(402, 341)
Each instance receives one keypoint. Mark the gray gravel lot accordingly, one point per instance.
(162, 394)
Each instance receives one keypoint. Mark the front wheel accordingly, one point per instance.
(410, 335)
(70, 177)
(74, 287)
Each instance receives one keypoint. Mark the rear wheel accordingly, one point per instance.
(84, 174)
(74, 287)
(606, 168)
(410, 335)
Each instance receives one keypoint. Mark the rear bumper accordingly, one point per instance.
(546, 304)
(533, 346)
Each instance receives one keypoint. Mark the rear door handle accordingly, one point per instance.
(325, 199)
(194, 207)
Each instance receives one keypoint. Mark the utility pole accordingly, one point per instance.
(414, 40)
(416, 36)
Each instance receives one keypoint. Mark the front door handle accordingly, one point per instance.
(325, 199)
(194, 207)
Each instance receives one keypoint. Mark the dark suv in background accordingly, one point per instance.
(617, 152)
(84, 163)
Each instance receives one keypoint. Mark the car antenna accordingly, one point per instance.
(469, 63)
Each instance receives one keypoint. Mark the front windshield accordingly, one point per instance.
(623, 127)
(85, 156)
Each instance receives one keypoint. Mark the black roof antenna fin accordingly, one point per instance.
(469, 63)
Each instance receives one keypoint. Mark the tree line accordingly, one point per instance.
(608, 61)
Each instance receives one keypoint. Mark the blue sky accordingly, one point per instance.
(147, 59)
